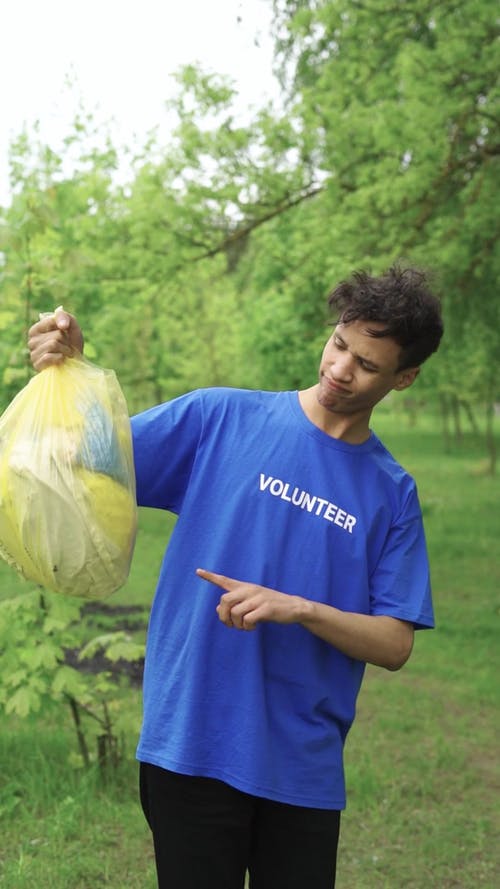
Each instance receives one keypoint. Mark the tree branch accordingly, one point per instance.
(243, 232)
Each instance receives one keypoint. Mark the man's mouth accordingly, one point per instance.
(334, 387)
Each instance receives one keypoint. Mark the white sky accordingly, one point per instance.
(121, 53)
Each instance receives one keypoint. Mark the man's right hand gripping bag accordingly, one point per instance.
(68, 514)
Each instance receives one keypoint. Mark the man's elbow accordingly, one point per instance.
(395, 664)
(399, 654)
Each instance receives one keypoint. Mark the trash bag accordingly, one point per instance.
(68, 514)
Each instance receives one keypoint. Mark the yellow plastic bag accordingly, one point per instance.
(68, 515)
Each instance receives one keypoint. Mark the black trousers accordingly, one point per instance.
(207, 835)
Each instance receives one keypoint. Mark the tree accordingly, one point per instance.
(231, 234)
(398, 105)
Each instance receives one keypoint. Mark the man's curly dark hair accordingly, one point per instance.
(400, 299)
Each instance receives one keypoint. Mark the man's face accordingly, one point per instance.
(357, 370)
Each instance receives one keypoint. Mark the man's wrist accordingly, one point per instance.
(306, 610)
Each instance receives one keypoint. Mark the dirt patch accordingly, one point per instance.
(111, 618)
(130, 670)
(129, 618)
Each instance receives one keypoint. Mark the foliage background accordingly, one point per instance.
(212, 263)
(210, 266)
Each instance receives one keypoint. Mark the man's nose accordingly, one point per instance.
(342, 367)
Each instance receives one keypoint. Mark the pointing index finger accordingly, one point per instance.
(218, 579)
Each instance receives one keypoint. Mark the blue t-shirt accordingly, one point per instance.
(264, 496)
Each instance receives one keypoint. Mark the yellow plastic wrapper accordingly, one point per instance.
(68, 515)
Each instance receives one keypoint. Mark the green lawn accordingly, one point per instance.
(422, 757)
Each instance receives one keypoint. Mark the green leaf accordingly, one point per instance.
(23, 702)
(67, 680)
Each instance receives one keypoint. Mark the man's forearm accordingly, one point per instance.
(380, 640)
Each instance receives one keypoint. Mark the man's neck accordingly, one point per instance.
(353, 428)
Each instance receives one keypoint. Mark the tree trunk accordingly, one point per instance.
(457, 424)
(469, 413)
(491, 446)
(445, 420)
(82, 743)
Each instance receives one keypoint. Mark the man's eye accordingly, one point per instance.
(367, 367)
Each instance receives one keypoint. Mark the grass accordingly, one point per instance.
(421, 759)
(63, 828)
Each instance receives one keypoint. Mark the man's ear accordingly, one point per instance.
(406, 377)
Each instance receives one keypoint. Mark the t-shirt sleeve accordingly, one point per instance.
(165, 440)
(400, 586)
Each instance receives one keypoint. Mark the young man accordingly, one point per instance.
(297, 528)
